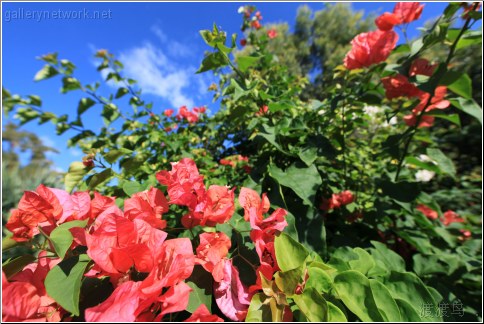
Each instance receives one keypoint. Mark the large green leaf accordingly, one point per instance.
(63, 282)
(245, 62)
(386, 304)
(113, 155)
(201, 283)
(443, 162)
(469, 106)
(212, 61)
(290, 254)
(48, 71)
(319, 280)
(62, 238)
(392, 260)
(312, 305)
(100, 177)
(77, 170)
(459, 83)
(364, 263)
(335, 314)
(304, 181)
(409, 288)
(354, 290)
(12, 266)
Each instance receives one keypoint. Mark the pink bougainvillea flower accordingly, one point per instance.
(148, 205)
(272, 33)
(227, 162)
(212, 253)
(250, 200)
(436, 102)
(168, 112)
(22, 225)
(189, 116)
(118, 244)
(101, 203)
(452, 217)
(399, 86)
(175, 299)
(408, 11)
(121, 306)
(219, 205)
(387, 21)
(20, 302)
(346, 197)
(183, 181)
(421, 66)
(337, 200)
(231, 295)
(174, 263)
(202, 314)
(427, 211)
(370, 48)
(256, 24)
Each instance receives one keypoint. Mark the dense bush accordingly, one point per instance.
(278, 207)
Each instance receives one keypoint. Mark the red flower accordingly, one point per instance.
(337, 200)
(121, 306)
(175, 299)
(149, 206)
(262, 111)
(387, 20)
(20, 302)
(256, 24)
(474, 6)
(227, 162)
(231, 295)
(272, 33)
(190, 116)
(398, 86)
(370, 48)
(422, 67)
(243, 42)
(212, 253)
(203, 315)
(427, 211)
(174, 262)
(408, 11)
(168, 112)
(183, 181)
(425, 121)
(101, 203)
(250, 200)
(452, 217)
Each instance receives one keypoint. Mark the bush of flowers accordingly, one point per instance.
(317, 210)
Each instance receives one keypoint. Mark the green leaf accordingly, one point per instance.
(99, 178)
(63, 282)
(62, 238)
(453, 118)
(459, 83)
(121, 92)
(354, 290)
(469, 106)
(110, 113)
(304, 181)
(258, 311)
(386, 304)
(8, 243)
(48, 71)
(312, 305)
(364, 263)
(392, 260)
(404, 191)
(443, 162)
(287, 281)
(69, 84)
(245, 62)
(113, 155)
(132, 187)
(74, 175)
(407, 312)
(335, 314)
(319, 280)
(290, 254)
(201, 283)
(408, 287)
(212, 61)
(84, 104)
(13, 266)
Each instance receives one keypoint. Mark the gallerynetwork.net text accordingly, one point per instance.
(40, 15)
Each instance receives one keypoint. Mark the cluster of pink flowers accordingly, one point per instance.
(236, 161)
(337, 200)
(375, 46)
(190, 116)
(399, 86)
(125, 243)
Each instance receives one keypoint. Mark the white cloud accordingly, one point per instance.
(47, 141)
(156, 74)
(75, 152)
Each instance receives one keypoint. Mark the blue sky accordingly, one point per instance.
(158, 43)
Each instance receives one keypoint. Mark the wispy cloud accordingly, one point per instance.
(47, 141)
(75, 152)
